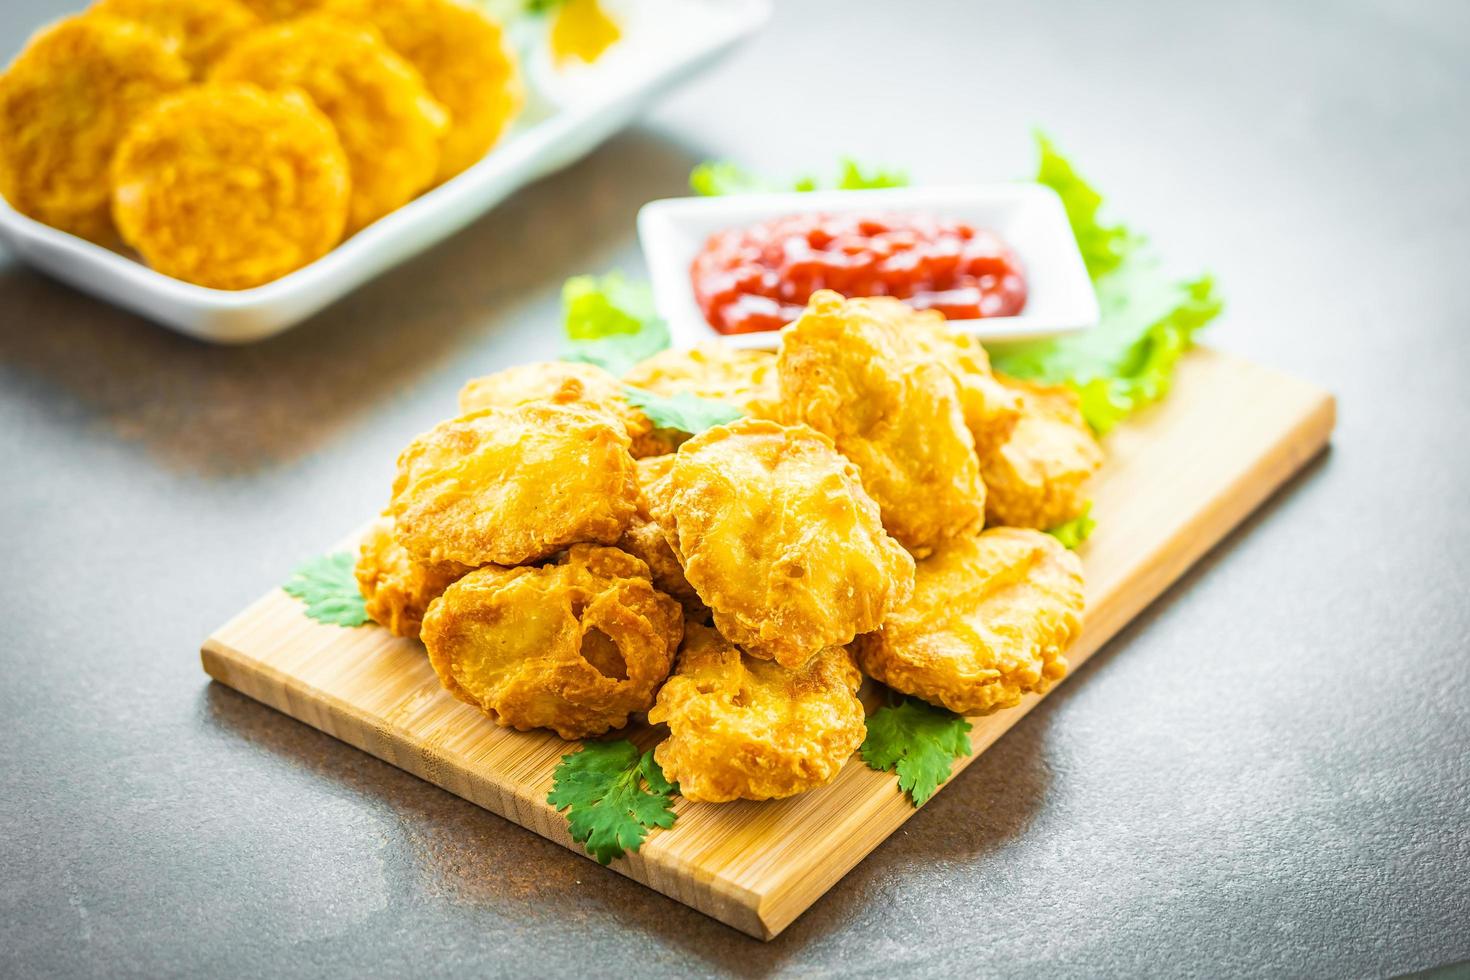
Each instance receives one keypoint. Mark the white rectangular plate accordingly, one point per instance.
(567, 115)
(1028, 217)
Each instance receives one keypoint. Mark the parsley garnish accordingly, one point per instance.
(610, 322)
(682, 411)
(716, 178)
(1077, 530)
(610, 811)
(920, 741)
(327, 586)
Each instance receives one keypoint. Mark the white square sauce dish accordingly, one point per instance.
(1026, 217)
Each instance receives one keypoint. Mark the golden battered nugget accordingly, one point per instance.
(747, 729)
(397, 590)
(271, 10)
(198, 30)
(65, 103)
(231, 186)
(1038, 477)
(854, 371)
(565, 382)
(989, 621)
(464, 60)
(991, 409)
(512, 485)
(388, 123)
(744, 379)
(645, 540)
(779, 539)
(574, 646)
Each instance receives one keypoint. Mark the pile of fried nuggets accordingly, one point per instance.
(567, 564)
(233, 141)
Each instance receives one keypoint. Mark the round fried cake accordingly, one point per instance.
(464, 60)
(388, 123)
(231, 186)
(65, 104)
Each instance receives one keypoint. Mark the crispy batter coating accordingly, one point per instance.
(1039, 476)
(991, 409)
(574, 646)
(199, 30)
(747, 729)
(231, 186)
(512, 485)
(397, 590)
(388, 123)
(464, 60)
(989, 620)
(281, 9)
(565, 382)
(853, 370)
(645, 540)
(745, 379)
(65, 103)
(778, 537)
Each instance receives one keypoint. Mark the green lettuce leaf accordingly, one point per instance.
(610, 322)
(1148, 317)
(715, 178)
(1077, 530)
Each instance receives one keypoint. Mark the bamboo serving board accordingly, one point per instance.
(1177, 480)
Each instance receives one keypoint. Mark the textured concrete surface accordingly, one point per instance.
(1268, 773)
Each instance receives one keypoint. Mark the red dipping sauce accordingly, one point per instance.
(760, 277)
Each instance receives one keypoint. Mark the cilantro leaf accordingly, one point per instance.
(1075, 531)
(682, 411)
(602, 789)
(610, 322)
(715, 178)
(918, 740)
(329, 589)
(1148, 318)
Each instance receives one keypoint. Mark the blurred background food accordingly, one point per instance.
(413, 93)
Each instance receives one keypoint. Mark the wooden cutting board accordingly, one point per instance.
(1178, 478)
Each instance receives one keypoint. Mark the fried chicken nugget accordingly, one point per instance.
(1039, 476)
(396, 589)
(270, 10)
(512, 485)
(231, 186)
(779, 539)
(991, 409)
(388, 123)
(199, 30)
(575, 646)
(65, 103)
(565, 382)
(645, 540)
(853, 370)
(744, 379)
(747, 729)
(990, 617)
(464, 60)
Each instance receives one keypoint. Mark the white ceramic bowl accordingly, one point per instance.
(1028, 217)
(665, 41)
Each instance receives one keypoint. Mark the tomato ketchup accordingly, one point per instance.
(759, 277)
